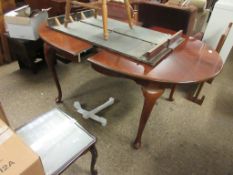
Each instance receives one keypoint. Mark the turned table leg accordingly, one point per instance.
(150, 97)
(94, 154)
(50, 59)
(105, 19)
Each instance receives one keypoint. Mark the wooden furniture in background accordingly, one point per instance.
(97, 5)
(116, 10)
(28, 53)
(195, 96)
(57, 6)
(35, 4)
(5, 6)
(175, 18)
(153, 80)
(163, 1)
(211, 3)
(223, 38)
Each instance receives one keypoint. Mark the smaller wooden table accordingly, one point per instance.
(59, 140)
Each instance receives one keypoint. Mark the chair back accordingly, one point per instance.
(223, 38)
(3, 115)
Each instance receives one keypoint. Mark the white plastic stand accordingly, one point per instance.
(92, 114)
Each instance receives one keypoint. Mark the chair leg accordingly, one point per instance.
(172, 93)
(105, 19)
(194, 97)
(127, 6)
(67, 12)
(95, 13)
(93, 160)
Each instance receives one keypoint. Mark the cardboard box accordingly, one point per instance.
(16, 158)
(20, 25)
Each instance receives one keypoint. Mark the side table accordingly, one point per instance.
(59, 140)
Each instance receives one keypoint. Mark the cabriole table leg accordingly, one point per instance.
(50, 59)
(151, 95)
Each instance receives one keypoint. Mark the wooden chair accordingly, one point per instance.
(65, 136)
(195, 95)
(96, 5)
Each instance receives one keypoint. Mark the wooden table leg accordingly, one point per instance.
(173, 89)
(150, 97)
(94, 154)
(50, 59)
(195, 96)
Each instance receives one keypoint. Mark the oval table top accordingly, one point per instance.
(192, 61)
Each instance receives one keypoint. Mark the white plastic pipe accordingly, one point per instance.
(92, 114)
(103, 106)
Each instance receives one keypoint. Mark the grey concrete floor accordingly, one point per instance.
(181, 138)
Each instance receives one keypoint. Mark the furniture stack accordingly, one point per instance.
(5, 5)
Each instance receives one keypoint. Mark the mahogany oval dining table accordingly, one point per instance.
(191, 62)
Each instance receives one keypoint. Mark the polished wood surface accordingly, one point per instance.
(61, 41)
(191, 62)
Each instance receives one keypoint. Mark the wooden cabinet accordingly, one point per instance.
(5, 6)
